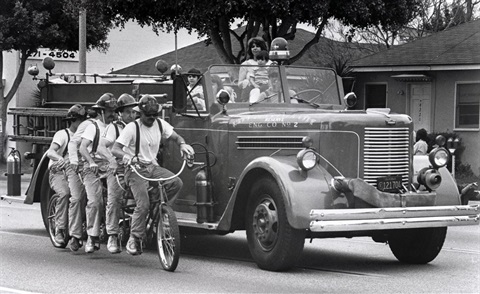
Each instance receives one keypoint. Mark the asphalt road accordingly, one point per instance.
(29, 263)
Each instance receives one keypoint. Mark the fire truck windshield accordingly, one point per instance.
(276, 84)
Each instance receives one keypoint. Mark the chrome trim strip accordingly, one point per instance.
(335, 220)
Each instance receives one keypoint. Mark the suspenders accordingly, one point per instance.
(137, 142)
(66, 147)
(97, 137)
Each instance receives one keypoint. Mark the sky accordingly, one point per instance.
(135, 44)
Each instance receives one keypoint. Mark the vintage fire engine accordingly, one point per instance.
(298, 162)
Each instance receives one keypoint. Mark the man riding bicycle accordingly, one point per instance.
(139, 144)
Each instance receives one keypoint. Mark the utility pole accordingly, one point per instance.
(82, 43)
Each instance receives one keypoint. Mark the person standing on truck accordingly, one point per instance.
(58, 154)
(255, 46)
(142, 139)
(97, 163)
(125, 106)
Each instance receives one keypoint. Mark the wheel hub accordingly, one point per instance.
(265, 224)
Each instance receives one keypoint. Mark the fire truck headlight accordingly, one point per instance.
(438, 157)
(307, 159)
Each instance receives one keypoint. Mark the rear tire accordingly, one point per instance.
(273, 243)
(417, 246)
(168, 238)
(51, 223)
(46, 194)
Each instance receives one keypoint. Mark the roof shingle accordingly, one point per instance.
(459, 45)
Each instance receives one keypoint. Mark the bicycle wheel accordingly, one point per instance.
(168, 238)
(52, 208)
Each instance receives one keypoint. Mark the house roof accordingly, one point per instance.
(459, 45)
(201, 56)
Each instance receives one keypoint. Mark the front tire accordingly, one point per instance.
(417, 246)
(273, 243)
(168, 238)
(52, 208)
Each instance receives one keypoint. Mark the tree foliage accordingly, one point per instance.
(430, 16)
(269, 18)
(26, 26)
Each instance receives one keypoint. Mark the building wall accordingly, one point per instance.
(443, 104)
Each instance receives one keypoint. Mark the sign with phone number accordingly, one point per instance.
(41, 53)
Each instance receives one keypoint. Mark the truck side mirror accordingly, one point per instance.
(179, 95)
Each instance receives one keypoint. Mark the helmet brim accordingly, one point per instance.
(120, 108)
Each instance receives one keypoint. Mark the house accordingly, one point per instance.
(435, 79)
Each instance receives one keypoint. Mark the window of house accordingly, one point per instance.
(375, 96)
(467, 106)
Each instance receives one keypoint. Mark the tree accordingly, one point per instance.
(431, 16)
(26, 26)
(269, 18)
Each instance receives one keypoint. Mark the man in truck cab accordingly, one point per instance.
(96, 164)
(124, 108)
(139, 144)
(58, 164)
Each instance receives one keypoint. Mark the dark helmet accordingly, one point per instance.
(75, 112)
(125, 100)
(194, 72)
(148, 105)
(107, 100)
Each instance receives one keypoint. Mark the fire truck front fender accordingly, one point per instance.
(301, 190)
(37, 182)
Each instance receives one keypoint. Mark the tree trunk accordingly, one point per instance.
(6, 99)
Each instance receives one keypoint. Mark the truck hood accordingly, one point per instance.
(316, 119)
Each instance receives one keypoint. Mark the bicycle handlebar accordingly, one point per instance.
(132, 166)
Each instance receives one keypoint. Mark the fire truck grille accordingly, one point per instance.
(268, 142)
(386, 153)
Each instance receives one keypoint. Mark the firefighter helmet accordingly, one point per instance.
(125, 100)
(107, 100)
(75, 112)
(148, 105)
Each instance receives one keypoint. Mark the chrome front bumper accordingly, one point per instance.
(366, 219)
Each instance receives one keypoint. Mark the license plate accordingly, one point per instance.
(389, 184)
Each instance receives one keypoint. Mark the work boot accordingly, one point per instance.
(112, 244)
(75, 244)
(93, 244)
(59, 236)
(132, 246)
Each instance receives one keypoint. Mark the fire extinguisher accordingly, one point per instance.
(14, 167)
(205, 203)
(201, 189)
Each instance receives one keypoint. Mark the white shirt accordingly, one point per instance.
(61, 139)
(75, 141)
(90, 133)
(111, 132)
(149, 139)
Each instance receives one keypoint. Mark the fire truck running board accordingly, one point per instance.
(366, 219)
(10, 199)
(190, 220)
